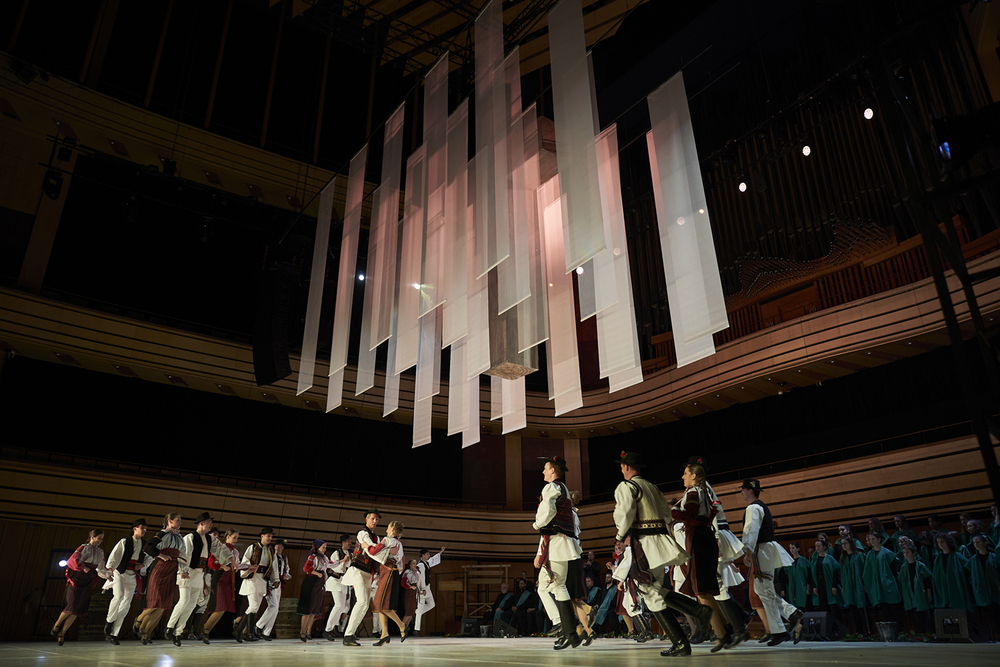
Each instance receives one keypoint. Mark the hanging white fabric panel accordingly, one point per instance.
(496, 398)
(514, 273)
(435, 140)
(617, 338)
(574, 121)
(515, 406)
(455, 289)
(390, 397)
(422, 411)
(348, 260)
(687, 349)
(384, 274)
(458, 391)
(532, 313)
(335, 390)
(689, 259)
(429, 357)
(478, 306)
(565, 387)
(408, 331)
(492, 240)
(317, 276)
(366, 352)
(470, 436)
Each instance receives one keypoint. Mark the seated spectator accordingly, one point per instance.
(504, 601)
(951, 585)
(595, 594)
(606, 617)
(592, 568)
(524, 600)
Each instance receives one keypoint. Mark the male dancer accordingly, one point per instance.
(340, 559)
(425, 596)
(192, 563)
(127, 558)
(359, 574)
(764, 556)
(259, 576)
(557, 547)
(265, 624)
(642, 514)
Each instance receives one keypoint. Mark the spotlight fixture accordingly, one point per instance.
(869, 113)
(361, 277)
(806, 150)
(63, 563)
(743, 186)
(579, 270)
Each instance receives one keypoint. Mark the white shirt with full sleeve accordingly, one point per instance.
(118, 552)
(770, 555)
(640, 497)
(561, 547)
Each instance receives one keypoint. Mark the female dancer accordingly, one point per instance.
(225, 586)
(311, 595)
(411, 582)
(161, 594)
(730, 548)
(390, 571)
(82, 570)
(696, 512)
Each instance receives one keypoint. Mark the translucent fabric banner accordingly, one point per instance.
(422, 412)
(458, 391)
(689, 258)
(574, 120)
(348, 260)
(390, 397)
(432, 259)
(366, 351)
(688, 349)
(565, 387)
(455, 289)
(496, 398)
(470, 436)
(429, 357)
(478, 305)
(408, 326)
(317, 276)
(335, 390)
(514, 274)
(617, 338)
(492, 239)
(384, 274)
(515, 406)
(532, 313)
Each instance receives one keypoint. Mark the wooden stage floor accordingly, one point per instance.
(452, 652)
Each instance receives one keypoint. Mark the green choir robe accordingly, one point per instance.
(895, 548)
(798, 576)
(879, 577)
(951, 587)
(852, 567)
(994, 532)
(912, 588)
(831, 573)
(985, 578)
(968, 550)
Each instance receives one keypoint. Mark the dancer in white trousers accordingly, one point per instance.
(265, 624)
(340, 560)
(260, 575)
(128, 558)
(425, 596)
(359, 574)
(196, 547)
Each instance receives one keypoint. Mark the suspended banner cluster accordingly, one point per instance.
(479, 255)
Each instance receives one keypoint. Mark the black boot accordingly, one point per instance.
(108, 628)
(642, 630)
(733, 614)
(672, 629)
(251, 621)
(567, 619)
(238, 628)
(172, 636)
(195, 623)
(701, 614)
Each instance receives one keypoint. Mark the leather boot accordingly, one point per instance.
(567, 619)
(699, 612)
(734, 617)
(251, 625)
(238, 629)
(195, 624)
(672, 629)
(643, 631)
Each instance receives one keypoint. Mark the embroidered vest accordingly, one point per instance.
(127, 555)
(766, 533)
(360, 558)
(257, 550)
(563, 521)
(199, 545)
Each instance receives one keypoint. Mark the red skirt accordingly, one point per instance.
(80, 586)
(410, 600)
(162, 591)
(387, 593)
(701, 570)
(225, 592)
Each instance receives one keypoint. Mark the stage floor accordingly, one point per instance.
(450, 652)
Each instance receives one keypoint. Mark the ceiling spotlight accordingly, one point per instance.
(743, 186)
(869, 113)
(361, 277)
(701, 211)
(416, 285)
(806, 150)
(62, 563)
(579, 270)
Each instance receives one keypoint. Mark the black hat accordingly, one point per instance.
(752, 484)
(373, 511)
(699, 460)
(140, 522)
(631, 459)
(558, 461)
(266, 531)
(204, 516)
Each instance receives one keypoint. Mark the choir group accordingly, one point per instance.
(671, 558)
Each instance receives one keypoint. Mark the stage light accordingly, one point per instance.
(579, 270)
(361, 277)
(806, 150)
(869, 113)
(743, 186)
(62, 563)
(416, 285)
